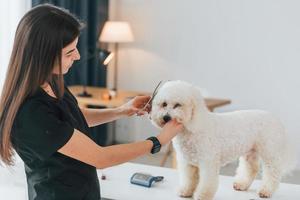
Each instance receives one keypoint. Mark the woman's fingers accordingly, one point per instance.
(140, 113)
(141, 101)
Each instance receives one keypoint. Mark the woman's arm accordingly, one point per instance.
(96, 117)
(82, 148)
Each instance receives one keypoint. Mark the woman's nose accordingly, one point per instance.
(77, 55)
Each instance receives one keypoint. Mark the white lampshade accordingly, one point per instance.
(115, 32)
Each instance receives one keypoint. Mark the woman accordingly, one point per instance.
(41, 121)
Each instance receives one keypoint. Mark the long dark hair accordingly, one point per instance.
(40, 37)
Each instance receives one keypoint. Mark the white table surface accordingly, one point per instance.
(117, 185)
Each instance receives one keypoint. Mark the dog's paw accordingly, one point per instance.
(240, 186)
(203, 196)
(185, 192)
(264, 193)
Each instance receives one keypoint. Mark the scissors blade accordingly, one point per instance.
(152, 96)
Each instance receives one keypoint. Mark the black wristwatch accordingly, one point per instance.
(156, 145)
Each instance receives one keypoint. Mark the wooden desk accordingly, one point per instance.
(97, 94)
(122, 97)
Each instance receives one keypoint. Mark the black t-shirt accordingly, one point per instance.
(42, 126)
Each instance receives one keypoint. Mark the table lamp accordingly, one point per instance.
(116, 32)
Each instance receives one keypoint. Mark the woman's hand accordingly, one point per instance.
(170, 130)
(135, 106)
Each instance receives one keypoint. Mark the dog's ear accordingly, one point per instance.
(197, 100)
(199, 110)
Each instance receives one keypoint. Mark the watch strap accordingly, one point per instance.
(156, 145)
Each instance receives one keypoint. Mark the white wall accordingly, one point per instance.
(248, 51)
(10, 14)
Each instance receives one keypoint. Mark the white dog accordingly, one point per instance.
(211, 140)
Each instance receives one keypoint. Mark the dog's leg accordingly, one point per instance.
(208, 183)
(271, 177)
(188, 177)
(247, 171)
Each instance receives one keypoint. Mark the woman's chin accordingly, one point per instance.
(66, 70)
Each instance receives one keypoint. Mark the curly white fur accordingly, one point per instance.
(211, 140)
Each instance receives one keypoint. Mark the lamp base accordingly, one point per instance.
(84, 94)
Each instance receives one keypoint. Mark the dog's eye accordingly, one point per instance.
(177, 105)
(164, 104)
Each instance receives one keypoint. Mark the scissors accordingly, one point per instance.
(149, 102)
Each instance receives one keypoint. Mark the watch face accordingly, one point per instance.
(155, 149)
(156, 145)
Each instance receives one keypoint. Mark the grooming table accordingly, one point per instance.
(117, 186)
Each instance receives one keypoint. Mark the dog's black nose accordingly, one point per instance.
(167, 118)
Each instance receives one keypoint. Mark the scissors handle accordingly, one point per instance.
(148, 102)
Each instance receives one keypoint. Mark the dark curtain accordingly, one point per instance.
(88, 71)
(94, 13)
